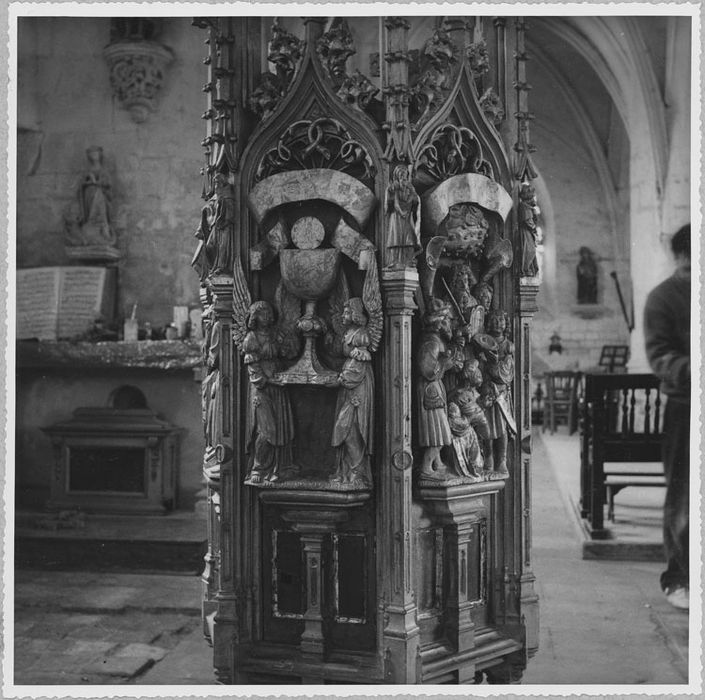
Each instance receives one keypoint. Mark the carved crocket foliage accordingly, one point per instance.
(285, 51)
(334, 48)
(492, 106)
(437, 60)
(453, 150)
(318, 143)
(357, 90)
(479, 58)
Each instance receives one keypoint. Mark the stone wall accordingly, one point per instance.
(65, 88)
(65, 105)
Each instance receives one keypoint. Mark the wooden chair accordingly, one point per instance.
(621, 423)
(561, 402)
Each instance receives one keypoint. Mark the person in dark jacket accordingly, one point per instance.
(667, 333)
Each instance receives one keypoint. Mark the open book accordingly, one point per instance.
(55, 303)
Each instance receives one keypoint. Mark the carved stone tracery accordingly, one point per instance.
(451, 150)
(318, 143)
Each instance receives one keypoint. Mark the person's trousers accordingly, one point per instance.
(676, 465)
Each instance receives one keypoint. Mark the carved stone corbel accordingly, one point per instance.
(137, 64)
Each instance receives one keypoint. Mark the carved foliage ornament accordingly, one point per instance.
(320, 143)
(334, 48)
(453, 150)
(136, 74)
(285, 51)
(437, 60)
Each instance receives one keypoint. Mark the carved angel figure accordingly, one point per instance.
(270, 423)
(403, 211)
(354, 411)
(361, 322)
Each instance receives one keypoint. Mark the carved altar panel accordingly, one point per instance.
(360, 255)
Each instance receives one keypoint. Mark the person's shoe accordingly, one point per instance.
(678, 597)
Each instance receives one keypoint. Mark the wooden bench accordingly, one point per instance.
(620, 420)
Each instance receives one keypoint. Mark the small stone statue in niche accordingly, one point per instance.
(88, 221)
(436, 356)
(217, 228)
(271, 423)
(354, 412)
(587, 277)
(403, 211)
(210, 387)
(528, 230)
(495, 394)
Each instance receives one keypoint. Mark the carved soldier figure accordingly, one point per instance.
(436, 356)
(528, 230)
(403, 211)
(495, 394)
(271, 424)
(587, 277)
(217, 227)
(352, 432)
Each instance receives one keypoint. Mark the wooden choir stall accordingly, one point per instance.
(368, 272)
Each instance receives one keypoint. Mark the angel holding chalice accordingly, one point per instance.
(354, 411)
(265, 343)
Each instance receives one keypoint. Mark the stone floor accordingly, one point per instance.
(602, 622)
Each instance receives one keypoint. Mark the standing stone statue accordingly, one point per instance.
(528, 230)
(217, 227)
(587, 277)
(403, 212)
(88, 219)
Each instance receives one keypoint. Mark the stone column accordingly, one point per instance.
(225, 624)
(400, 631)
(522, 510)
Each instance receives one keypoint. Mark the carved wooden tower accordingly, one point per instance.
(368, 277)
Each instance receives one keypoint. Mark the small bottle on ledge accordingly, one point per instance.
(131, 327)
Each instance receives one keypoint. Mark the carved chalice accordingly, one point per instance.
(309, 273)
